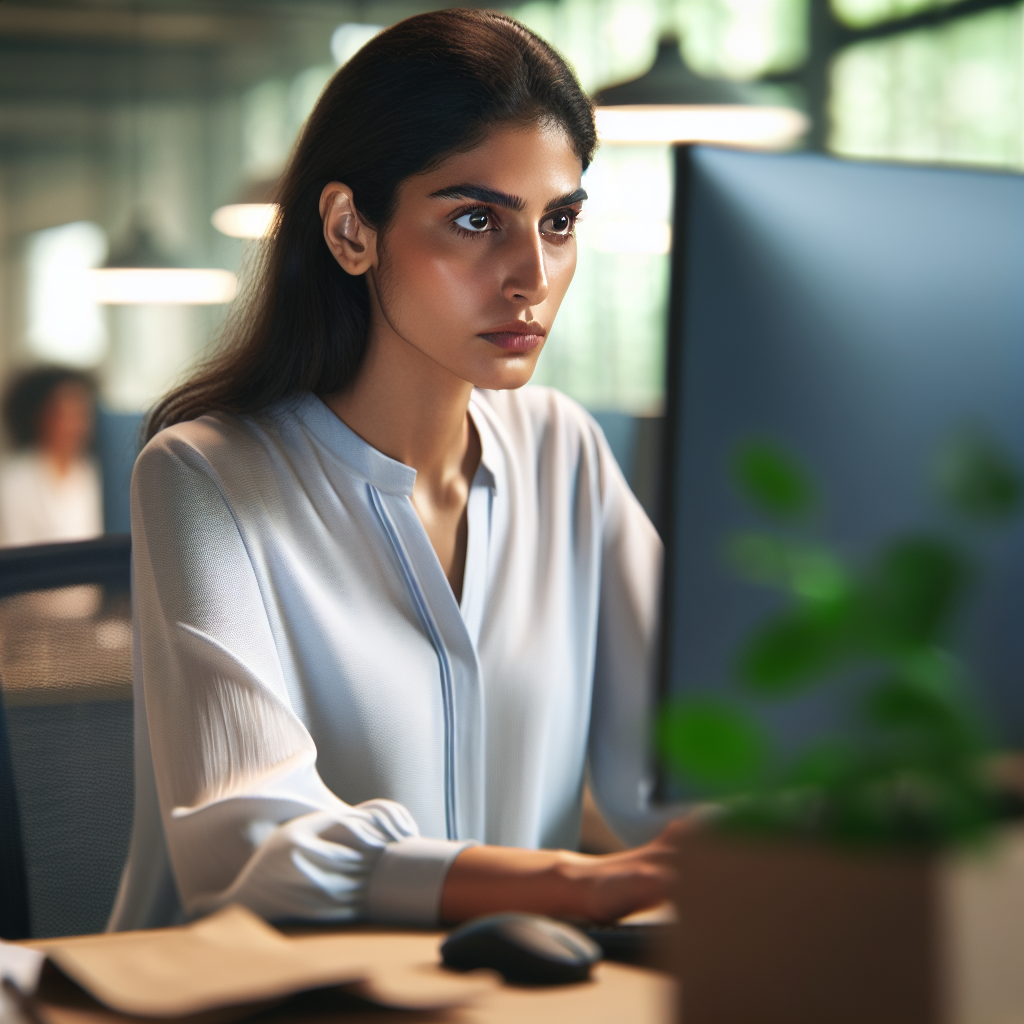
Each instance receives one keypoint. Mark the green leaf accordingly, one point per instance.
(828, 763)
(712, 743)
(797, 649)
(979, 479)
(913, 591)
(773, 480)
(919, 724)
(759, 558)
(810, 571)
(933, 669)
(816, 574)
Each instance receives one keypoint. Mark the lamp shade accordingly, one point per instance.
(669, 103)
(670, 81)
(138, 250)
(251, 215)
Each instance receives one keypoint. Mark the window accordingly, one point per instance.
(273, 113)
(65, 323)
(607, 346)
(862, 13)
(924, 80)
(954, 93)
(608, 343)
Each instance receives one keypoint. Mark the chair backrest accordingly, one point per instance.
(66, 769)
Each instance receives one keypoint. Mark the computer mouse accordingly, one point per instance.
(527, 949)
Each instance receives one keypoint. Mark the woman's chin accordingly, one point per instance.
(506, 373)
(507, 378)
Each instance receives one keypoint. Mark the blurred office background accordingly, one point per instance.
(124, 127)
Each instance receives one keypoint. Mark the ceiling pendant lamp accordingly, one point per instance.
(670, 104)
(251, 215)
(138, 273)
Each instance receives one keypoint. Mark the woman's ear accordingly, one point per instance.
(352, 243)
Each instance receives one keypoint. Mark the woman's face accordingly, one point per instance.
(479, 254)
(66, 422)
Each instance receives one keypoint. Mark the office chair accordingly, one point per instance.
(66, 770)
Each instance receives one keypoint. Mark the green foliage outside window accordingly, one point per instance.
(861, 13)
(909, 768)
(953, 94)
(607, 345)
(611, 40)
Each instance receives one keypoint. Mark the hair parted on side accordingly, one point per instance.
(427, 87)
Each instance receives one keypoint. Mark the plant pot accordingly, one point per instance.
(776, 932)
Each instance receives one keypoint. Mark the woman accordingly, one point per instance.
(50, 488)
(388, 605)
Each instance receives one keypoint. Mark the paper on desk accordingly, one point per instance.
(232, 958)
(663, 913)
(425, 987)
(400, 972)
(21, 965)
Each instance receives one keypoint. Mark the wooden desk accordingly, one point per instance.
(617, 993)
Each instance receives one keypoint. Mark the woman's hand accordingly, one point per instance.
(489, 879)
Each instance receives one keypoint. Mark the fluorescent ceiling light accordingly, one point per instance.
(127, 286)
(139, 273)
(245, 220)
(748, 126)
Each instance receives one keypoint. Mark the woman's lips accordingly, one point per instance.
(516, 337)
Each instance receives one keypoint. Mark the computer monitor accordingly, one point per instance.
(856, 313)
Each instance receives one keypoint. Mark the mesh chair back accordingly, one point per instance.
(65, 680)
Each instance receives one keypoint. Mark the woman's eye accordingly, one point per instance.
(476, 221)
(559, 224)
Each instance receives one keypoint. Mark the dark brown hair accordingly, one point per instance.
(423, 89)
(26, 396)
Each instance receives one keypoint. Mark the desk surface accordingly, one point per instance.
(617, 993)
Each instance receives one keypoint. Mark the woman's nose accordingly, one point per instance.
(527, 276)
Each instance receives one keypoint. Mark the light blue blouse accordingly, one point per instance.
(320, 726)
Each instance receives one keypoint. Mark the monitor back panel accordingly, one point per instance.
(858, 314)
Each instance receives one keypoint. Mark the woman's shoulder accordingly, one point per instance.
(543, 436)
(216, 443)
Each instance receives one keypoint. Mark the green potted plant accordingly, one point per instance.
(869, 877)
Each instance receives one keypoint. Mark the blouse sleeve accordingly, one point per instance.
(246, 816)
(621, 760)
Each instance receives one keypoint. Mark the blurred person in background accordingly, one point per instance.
(50, 486)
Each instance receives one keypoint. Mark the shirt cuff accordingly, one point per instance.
(405, 886)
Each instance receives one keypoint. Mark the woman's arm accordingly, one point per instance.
(489, 879)
(622, 764)
(245, 813)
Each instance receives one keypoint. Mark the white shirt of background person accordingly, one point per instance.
(52, 492)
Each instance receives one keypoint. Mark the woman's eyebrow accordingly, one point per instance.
(481, 194)
(567, 200)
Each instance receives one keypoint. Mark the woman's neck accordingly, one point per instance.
(410, 408)
(59, 462)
